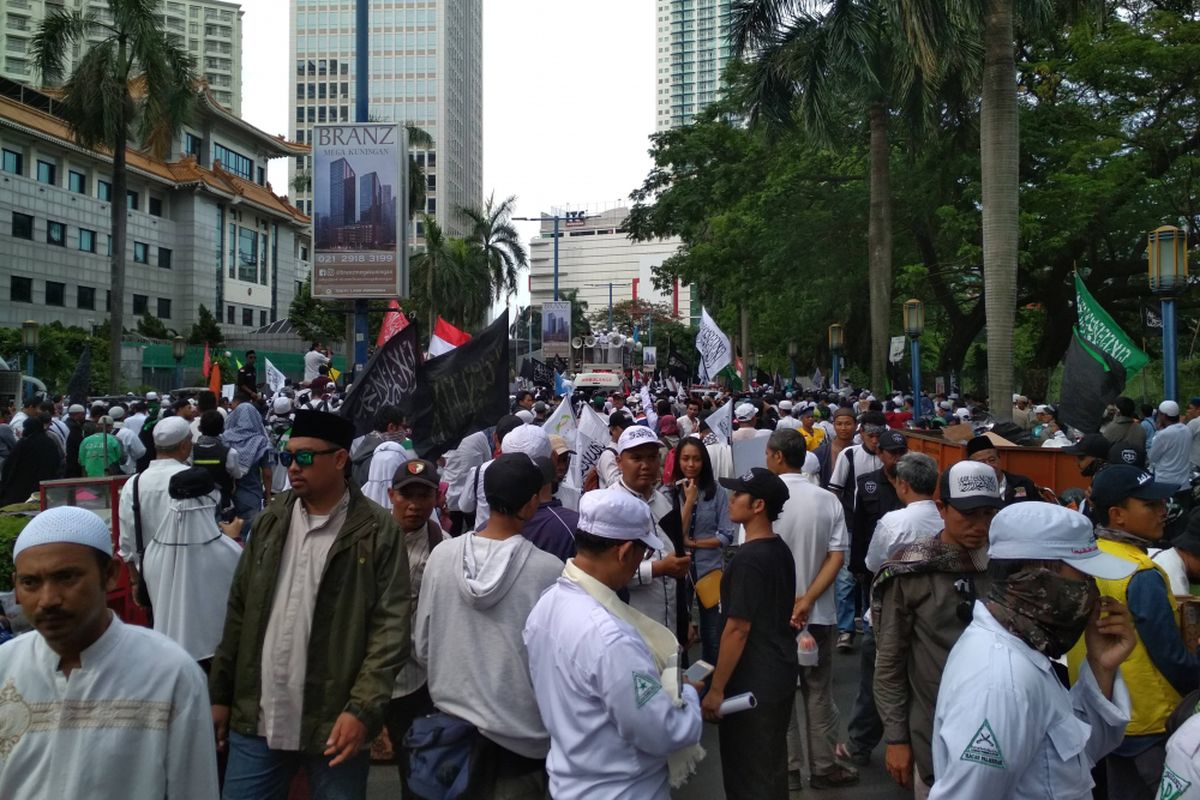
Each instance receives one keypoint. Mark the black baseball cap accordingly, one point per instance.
(1128, 454)
(416, 471)
(1118, 482)
(893, 441)
(1092, 444)
(620, 419)
(510, 481)
(1189, 540)
(761, 484)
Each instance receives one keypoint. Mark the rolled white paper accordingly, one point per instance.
(739, 702)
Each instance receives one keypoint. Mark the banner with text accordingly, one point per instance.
(591, 437)
(389, 379)
(360, 214)
(556, 330)
(463, 391)
(713, 345)
(1102, 332)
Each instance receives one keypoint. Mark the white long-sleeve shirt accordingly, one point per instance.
(918, 520)
(153, 493)
(133, 448)
(1005, 728)
(132, 721)
(611, 723)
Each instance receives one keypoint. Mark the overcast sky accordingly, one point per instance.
(568, 96)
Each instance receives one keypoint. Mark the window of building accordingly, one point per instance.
(262, 318)
(247, 255)
(233, 161)
(431, 160)
(261, 177)
(12, 161)
(46, 172)
(248, 317)
(85, 298)
(141, 253)
(108, 245)
(303, 253)
(155, 207)
(431, 205)
(141, 303)
(131, 200)
(164, 308)
(56, 293)
(228, 315)
(431, 182)
(22, 225)
(104, 190)
(87, 240)
(20, 290)
(108, 299)
(77, 182)
(56, 233)
(164, 258)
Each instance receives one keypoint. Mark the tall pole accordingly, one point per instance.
(29, 362)
(362, 103)
(1168, 328)
(745, 347)
(916, 371)
(837, 370)
(556, 257)
(609, 306)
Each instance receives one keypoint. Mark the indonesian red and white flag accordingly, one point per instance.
(445, 338)
(394, 321)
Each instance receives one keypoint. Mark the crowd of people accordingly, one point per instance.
(525, 625)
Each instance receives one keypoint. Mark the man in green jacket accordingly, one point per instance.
(316, 629)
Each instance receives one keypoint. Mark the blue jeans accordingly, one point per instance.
(256, 772)
(710, 633)
(845, 591)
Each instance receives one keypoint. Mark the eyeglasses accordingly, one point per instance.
(303, 458)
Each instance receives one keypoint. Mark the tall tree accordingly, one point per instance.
(450, 278)
(808, 58)
(492, 229)
(131, 79)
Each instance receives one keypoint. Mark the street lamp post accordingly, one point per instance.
(793, 349)
(837, 340)
(914, 326)
(1167, 257)
(178, 350)
(29, 341)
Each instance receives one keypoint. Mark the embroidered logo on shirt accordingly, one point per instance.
(1172, 786)
(645, 686)
(984, 748)
(869, 487)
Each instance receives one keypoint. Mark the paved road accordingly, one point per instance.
(706, 784)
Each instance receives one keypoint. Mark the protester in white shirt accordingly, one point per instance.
(813, 525)
(131, 443)
(607, 471)
(1181, 772)
(314, 359)
(689, 423)
(916, 482)
(1004, 726)
(86, 689)
(620, 724)
(531, 440)
(786, 420)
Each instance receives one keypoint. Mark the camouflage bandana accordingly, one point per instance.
(1043, 609)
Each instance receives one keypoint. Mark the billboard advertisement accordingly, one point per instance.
(360, 214)
(556, 329)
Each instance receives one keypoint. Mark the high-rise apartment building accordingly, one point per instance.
(210, 29)
(692, 49)
(426, 67)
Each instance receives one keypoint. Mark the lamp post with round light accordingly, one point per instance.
(178, 350)
(914, 326)
(793, 349)
(1168, 268)
(29, 343)
(837, 340)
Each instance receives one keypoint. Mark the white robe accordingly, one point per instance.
(387, 458)
(188, 566)
(132, 721)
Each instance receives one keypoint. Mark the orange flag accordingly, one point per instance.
(207, 365)
(214, 380)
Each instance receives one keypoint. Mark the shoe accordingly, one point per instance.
(840, 776)
(795, 780)
(856, 757)
(845, 642)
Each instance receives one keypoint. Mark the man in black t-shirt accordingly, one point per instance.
(247, 376)
(758, 645)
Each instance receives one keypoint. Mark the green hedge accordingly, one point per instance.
(10, 526)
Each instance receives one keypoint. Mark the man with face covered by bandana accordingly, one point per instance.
(1004, 727)
(1129, 507)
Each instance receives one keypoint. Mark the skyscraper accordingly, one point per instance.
(211, 30)
(341, 203)
(692, 49)
(426, 71)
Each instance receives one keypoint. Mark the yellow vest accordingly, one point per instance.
(1153, 696)
(814, 439)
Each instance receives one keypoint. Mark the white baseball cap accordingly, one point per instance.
(531, 440)
(1045, 531)
(1168, 408)
(968, 485)
(745, 412)
(616, 514)
(635, 436)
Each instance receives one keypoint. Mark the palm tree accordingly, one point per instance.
(451, 277)
(806, 59)
(493, 231)
(417, 137)
(133, 79)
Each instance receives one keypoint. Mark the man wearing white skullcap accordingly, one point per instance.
(84, 685)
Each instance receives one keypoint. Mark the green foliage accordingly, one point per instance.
(58, 352)
(206, 330)
(11, 526)
(153, 327)
(316, 320)
(451, 279)
(493, 232)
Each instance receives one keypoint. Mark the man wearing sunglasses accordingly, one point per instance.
(316, 630)
(920, 604)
